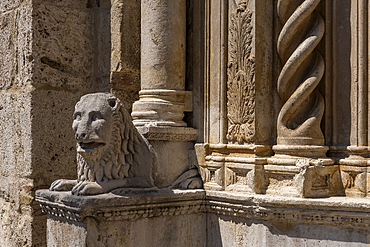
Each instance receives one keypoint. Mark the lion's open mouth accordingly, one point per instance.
(89, 146)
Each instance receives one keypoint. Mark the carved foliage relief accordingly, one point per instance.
(241, 79)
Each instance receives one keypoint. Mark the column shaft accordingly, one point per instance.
(163, 58)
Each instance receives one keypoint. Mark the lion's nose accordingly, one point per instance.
(80, 136)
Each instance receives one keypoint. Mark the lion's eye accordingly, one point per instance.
(96, 116)
(77, 116)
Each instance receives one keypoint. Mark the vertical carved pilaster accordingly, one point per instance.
(303, 67)
(233, 158)
(241, 84)
(355, 171)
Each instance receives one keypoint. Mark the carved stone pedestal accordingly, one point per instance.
(233, 167)
(303, 171)
(355, 172)
(203, 218)
(172, 146)
(172, 218)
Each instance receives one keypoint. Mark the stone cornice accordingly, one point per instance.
(135, 206)
(334, 211)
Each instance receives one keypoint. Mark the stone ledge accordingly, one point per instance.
(134, 206)
(334, 211)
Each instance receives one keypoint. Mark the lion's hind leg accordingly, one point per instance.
(188, 180)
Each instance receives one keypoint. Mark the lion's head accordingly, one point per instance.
(108, 145)
(93, 124)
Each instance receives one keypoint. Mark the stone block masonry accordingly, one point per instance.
(48, 59)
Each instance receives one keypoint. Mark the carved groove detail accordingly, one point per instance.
(265, 211)
(241, 84)
(297, 216)
(129, 213)
(303, 68)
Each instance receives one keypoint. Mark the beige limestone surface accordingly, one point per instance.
(134, 218)
(47, 61)
(52, 52)
(203, 218)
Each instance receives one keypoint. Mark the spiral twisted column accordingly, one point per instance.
(303, 68)
(300, 152)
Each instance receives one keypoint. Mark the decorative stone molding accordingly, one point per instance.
(346, 212)
(59, 211)
(233, 167)
(179, 134)
(161, 107)
(241, 79)
(110, 207)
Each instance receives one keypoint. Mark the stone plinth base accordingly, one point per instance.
(204, 218)
(302, 171)
(172, 146)
(166, 218)
(230, 167)
(235, 219)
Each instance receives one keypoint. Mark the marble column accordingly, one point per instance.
(163, 51)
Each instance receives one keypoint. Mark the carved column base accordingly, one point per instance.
(288, 154)
(161, 107)
(238, 168)
(173, 147)
(302, 171)
(355, 172)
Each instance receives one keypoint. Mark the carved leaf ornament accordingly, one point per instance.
(241, 79)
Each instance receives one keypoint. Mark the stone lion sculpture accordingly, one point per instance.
(111, 153)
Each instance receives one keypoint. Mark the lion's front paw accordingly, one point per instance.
(88, 188)
(62, 185)
(191, 183)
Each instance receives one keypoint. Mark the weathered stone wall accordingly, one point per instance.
(255, 220)
(125, 61)
(16, 119)
(231, 231)
(248, 107)
(51, 53)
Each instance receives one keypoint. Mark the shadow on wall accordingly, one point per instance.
(339, 73)
(231, 231)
